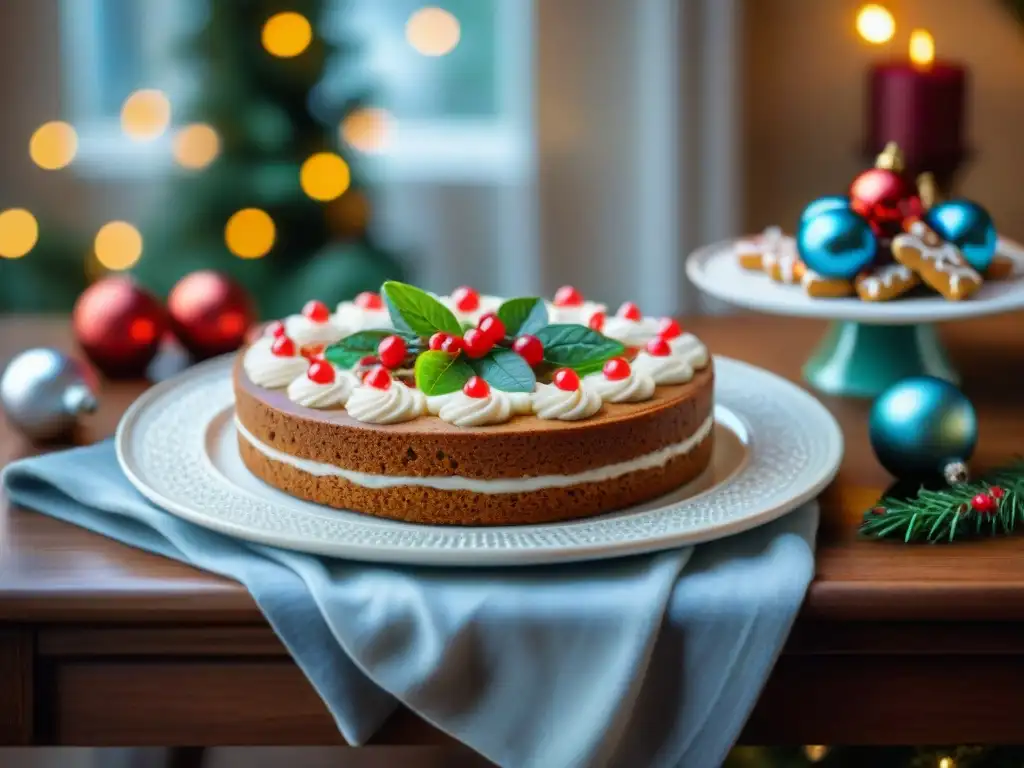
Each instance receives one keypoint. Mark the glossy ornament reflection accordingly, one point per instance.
(836, 243)
(969, 227)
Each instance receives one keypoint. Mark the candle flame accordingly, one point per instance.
(875, 23)
(922, 48)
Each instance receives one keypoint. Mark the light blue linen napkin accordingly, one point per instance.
(644, 661)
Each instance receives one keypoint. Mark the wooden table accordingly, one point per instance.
(101, 644)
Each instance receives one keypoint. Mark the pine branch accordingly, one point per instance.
(991, 506)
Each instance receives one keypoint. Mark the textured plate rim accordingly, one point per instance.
(908, 312)
(810, 488)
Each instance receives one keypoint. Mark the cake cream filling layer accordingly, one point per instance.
(647, 461)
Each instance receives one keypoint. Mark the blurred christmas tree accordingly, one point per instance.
(267, 191)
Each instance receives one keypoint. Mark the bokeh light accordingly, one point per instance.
(432, 31)
(19, 232)
(53, 145)
(875, 23)
(145, 114)
(287, 34)
(324, 176)
(118, 245)
(196, 146)
(922, 48)
(250, 233)
(367, 129)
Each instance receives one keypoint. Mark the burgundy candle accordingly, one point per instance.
(921, 106)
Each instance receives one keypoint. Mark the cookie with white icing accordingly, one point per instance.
(886, 282)
(939, 264)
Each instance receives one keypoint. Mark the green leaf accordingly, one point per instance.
(351, 349)
(577, 347)
(525, 315)
(505, 370)
(417, 310)
(438, 373)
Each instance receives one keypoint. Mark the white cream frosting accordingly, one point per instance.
(306, 392)
(550, 402)
(352, 318)
(677, 367)
(461, 410)
(635, 388)
(581, 313)
(265, 369)
(632, 333)
(393, 405)
(653, 460)
(487, 304)
(690, 347)
(303, 331)
(521, 402)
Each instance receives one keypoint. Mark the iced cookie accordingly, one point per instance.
(754, 253)
(939, 264)
(886, 282)
(821, 287)
(1001, 268)
(783, 265)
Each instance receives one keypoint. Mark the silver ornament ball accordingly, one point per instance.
(956, 473)
(44, 392)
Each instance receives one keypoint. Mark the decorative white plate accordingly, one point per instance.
(716, 271)
(776, 447)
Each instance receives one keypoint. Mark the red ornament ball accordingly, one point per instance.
(566, 379)
(392, 351)
(616, 369)
(119, 325)
(984, 504)
(210, 313)
(476, 387)
(878, 194)
(530, 349)
(321, 372)
(477, 343)
(491, 325)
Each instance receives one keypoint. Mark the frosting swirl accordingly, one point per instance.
(550, 402)
(265, 369)
(304, 331)
(462, 410)
(670, 369)
(306, 392)
(393, 405)
(352, 318)
(632, 333)
(690, 347)
(521, 402)
(635, 388)
(579, 314)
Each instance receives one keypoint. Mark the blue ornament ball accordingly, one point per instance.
(969, 227)
(823, 204)
(836, 243)
(921, 425)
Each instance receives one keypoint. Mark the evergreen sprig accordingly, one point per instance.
(949, 515)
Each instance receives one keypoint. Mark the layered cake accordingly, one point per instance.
(473, 410)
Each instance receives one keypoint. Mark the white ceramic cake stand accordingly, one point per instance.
(775, 448)
(869, 345)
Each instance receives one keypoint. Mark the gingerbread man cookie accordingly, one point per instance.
(886, 282)
(939, 264)
(821, 287)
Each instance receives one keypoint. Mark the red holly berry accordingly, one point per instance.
(984, 504)
(276, 329)
(369, 300)
(491, 325)
(453, 345)
(437, 341)
(658, 347)
(630, 311)
(878, 511)
(392, 351)
(530, 349)
(477, 343)
(669, 328)
(596, 321)
(476, 387)
(368, 360)
(567, 296)
(616, 369)
(312, 351)
(377, 377)
(996, 492)
(566, 379)
(283, 347)
(316, 311)
(320, 372)
(466, 299)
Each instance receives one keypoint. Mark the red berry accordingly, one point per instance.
(392, 351)
(616, 369)
(477, 343)
(378, 378)
(369, 300)
(452, 345)
(276, 329)
(630, 311)
(466, 299)
(476, 387)
(491, 325)
(312, 351)
(321, 372)
(567, 296)
(669, 328)
(283, 347)
(437, 340)
(984, 504)
(529, 348)
(596, 321)
(368, 360)
(996, 492)
(658, 347)
(316, 311)
(566, 379)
